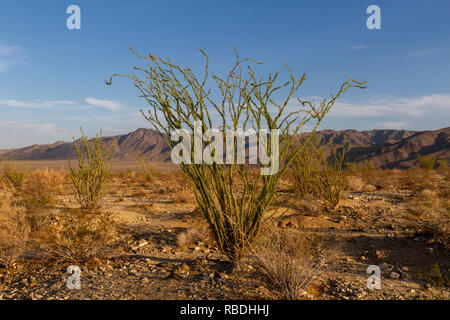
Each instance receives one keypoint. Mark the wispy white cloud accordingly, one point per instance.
(358, 47)
(424, 52)
(37, 126)
(408, 107)
(392, 125)
(106, 104)
(74, 105)
(35, 104)
(5, 50)
(11, 56)
(28, 133)
(425, 112)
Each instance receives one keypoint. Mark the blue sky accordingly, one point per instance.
(52, 78)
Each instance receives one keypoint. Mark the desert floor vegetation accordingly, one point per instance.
(160, 246)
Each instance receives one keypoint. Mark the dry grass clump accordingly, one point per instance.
(14, 234)
(419, 179)
(185, 194)
(376, 179)
(355, 183)
(311, 207)
(16, 173)
(428, 194)
(4, 182)
(287, 262)
(39, 192)
(424, 203)
(55, 180)
(437, 228)
(80, 237)
(193, 236)
(139, 193)
(427, 205)
(438, 224)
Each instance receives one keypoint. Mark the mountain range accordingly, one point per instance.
(384, 148)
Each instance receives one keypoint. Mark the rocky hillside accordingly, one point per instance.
(385, 148)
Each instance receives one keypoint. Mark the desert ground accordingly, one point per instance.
(162, 248)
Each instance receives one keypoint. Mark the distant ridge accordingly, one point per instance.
(385, 148)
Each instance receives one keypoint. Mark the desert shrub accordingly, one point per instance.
(233, 202)
(306, 167)
(147, 169)
(39, 194)
(435, 276)
(14, 234)
(428, 206)
(36, 197)
(89, 178)
(442, 164)
(80, 237)
(418, 179)
(41, 189)
(16, 174)
(323, 176)
(426, 162)
(437, 228)
(443, 191)
(331, 180)
(287, 262)
(55, 180)
(366, 165)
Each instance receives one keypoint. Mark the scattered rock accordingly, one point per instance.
(142, 243)
(394, 275)
(288, 223)
(182, 269)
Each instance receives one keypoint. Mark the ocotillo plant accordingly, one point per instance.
(331, 179)
(306, 167)
(146, 167)
(318, 174)
(90, 176)
(234, 202)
